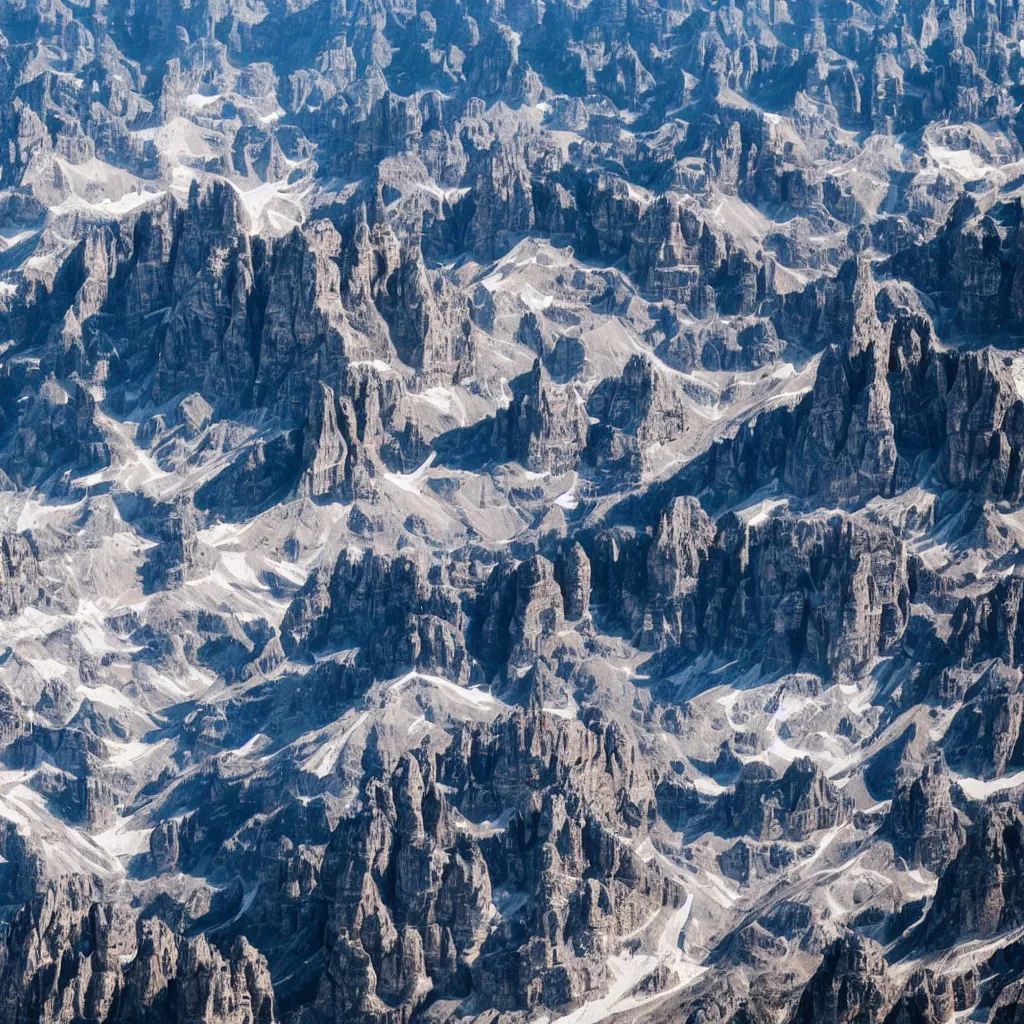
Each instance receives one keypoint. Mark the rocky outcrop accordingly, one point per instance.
(766, 807)
(327, 455)
(211, 987)
(438, 889)
(846, 449)
(572, 787)
(985, 426)
(73, 954)
(179, 556)
(20, 583)
(973, 266)
(984, 736)
(426, 318)
(676, 253)
(642, 408)
(397, 612)
(924, 826)
(545, 426)
(979, 893)
(263, 472)
(928, 997)
(850, 986)
(504, 201)
(410, 900)
(573, 573)
(766, 606)
(64, 926)
(789, 592)
(56, 430)
(678, 554)
(520, 608)
(205, 342)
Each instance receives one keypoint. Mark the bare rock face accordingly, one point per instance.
(259, 475)
(988, 623)
(926, 829)
(410, 898)
(393, 608)
(426, 318)
(56, 431)
(858, 573)
(984, 735)
(766, 807)
(165, 845)
(791, 593)
(504, 209)
(573, 573)
(679, 552)
(985, 421)
(234, 989)
(204, 344)
(847, 450)
(520, 608)
(344, 433)
(633, 412)
(150, 977)
(972, 265)
(179, 556)
(545, 426)
(327, 455)
(849, 986)
(74, 955)
(1008, 1004)
(511, 511)
(928, 997)
(675, 252)
(572, 788)
(412, 880)
(30, 983)
(978, 894)
(20, 585)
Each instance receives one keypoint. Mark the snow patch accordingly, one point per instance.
(196, 101)
(322, 763)
(48, 668)
(412, 482)
(627, 970)
(106, 207)
(982, 789)
(472, 695)
(120, 841)
(107, 696)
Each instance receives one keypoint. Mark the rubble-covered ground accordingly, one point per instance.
(511, 511)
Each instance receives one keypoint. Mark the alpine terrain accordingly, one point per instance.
(511, 511)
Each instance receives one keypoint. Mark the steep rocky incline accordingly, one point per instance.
(511, 512)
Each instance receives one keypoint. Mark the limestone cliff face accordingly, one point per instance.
(511, 511)
(847, 449)
(391, 607)
(984, 422)
(20, 585)
(545, 426)
(415, 881)
(926, 828)
(56, 430)
(72, 953)
(977, 893)
(799, 804)
(849, 985)
(785, 591)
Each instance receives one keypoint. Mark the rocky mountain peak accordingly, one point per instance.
(511, 512)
